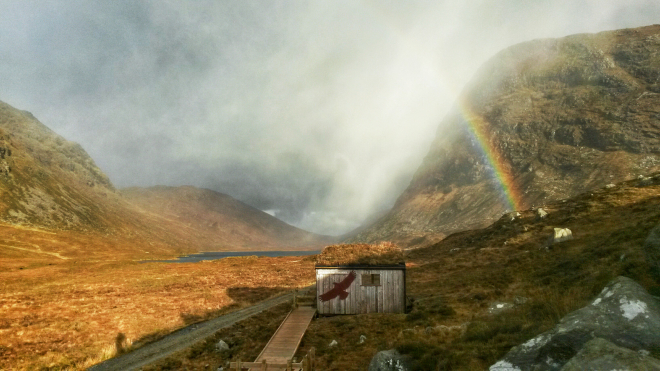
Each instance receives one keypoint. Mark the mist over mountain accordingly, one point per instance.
(318, 112)
(49, 182)
(541, 121)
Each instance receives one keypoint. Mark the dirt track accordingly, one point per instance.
(184, 338)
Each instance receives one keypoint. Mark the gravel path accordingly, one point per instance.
(183, 338)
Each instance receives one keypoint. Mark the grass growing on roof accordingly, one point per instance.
(384, 253)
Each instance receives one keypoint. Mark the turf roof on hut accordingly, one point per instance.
(360, 254)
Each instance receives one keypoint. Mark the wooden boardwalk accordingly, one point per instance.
(284, 343)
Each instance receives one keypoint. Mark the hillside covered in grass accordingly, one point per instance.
(457, 284)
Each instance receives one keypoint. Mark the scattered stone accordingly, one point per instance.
(454, 250)
(562, 234)
(389, 360)
(333, 343)
(362, 339)
(610, 186)
(623, 313)
(541, 214)
(499, 307)
(221, 346)
(520, 300)
(652, 251)
(600, 354)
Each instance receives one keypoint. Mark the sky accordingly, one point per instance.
(318, 112)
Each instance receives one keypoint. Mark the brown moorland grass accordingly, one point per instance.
(70, 314)
(509, 261)
(454, 282)
(246, 339)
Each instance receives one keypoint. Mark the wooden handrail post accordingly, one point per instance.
(289, 367)
(295, 298)
(264, 365)
(238, 365)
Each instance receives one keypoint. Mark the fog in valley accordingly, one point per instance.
(317, 112)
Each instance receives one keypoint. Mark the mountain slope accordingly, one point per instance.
(50, 184)
(213, 220)
(552, 118)
(46, 180)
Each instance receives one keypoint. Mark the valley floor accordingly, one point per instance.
(71, 314)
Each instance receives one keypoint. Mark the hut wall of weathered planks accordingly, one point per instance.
(375, 289)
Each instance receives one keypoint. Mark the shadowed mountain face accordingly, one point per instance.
(215, 221)
(560, 116)
(49, 182)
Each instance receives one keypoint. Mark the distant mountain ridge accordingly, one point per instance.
(49, 182)
(214, 220)
(561, 116)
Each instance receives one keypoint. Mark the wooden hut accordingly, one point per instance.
(360, 278)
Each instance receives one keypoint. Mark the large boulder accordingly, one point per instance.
(623, 313)
(600, 354)
(652, 251)
(389, 360)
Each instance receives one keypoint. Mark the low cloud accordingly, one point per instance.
(319, 112)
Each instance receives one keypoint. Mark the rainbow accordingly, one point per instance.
(479, 129)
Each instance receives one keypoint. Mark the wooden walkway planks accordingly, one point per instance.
(284, 343)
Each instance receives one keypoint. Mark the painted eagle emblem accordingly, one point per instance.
(340, 288)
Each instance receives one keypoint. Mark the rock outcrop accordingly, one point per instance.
(624, 314)
(599, 354)
(388, 360)
(652, 251)
(541, 121)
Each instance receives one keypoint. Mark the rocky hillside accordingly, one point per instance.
(215, 221)
(46, 180)
(557, 116)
